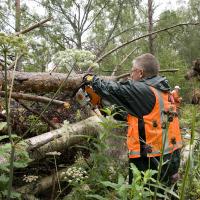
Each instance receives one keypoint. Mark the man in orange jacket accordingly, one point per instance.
(177, 98)
(153, 125)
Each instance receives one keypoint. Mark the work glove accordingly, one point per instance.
(87, 79)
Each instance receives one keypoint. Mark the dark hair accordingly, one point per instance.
(148, 63)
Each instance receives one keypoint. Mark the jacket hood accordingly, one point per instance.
(158, 82)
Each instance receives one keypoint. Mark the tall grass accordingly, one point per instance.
(190, 157)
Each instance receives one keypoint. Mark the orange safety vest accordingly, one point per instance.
(162, 132)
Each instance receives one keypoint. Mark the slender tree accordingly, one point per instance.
(150, 25)
(17, 15)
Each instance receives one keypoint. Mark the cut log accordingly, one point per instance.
(117, 149)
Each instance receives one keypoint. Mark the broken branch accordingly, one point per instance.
(29, 97)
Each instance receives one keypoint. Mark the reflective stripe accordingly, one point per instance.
(155, 152)
(165, 141)
(167, 150)
(134, 152)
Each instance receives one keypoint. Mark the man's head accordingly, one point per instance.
(144, 66)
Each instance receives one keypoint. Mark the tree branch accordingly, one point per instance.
(33, 26)
(117, 66)
(29, 97)
(143, 36)
(112, 30)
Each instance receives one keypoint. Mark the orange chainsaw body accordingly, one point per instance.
(95, 99)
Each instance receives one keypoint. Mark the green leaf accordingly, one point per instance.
(3, 137)
(120, 179)
(4, 167)
(3, 125)
(109, 184)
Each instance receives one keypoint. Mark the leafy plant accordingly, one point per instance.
(21, 160)
(100, 167)
(36, 125)
(82, 59)
(190, 187)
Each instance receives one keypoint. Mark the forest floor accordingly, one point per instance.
(47, 166)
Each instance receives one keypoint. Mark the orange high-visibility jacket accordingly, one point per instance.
(161, 125)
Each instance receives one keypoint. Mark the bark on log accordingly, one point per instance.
(35, 82)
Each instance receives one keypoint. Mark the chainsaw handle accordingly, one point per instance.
(83, 84)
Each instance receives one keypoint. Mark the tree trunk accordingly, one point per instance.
(17, 15)
(62, 138)
(39, 82)
(150, 25)
(35, 82)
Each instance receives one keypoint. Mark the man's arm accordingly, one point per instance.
(134, 96)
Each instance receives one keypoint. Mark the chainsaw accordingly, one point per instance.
(85, 95)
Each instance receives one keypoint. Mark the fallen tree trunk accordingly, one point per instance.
(60, 139)
(68, 135)
(40, 82)
(36, 82)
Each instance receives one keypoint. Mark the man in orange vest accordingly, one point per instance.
(153, 125)
(176, 96)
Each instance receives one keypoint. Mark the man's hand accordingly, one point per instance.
(88, 78)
